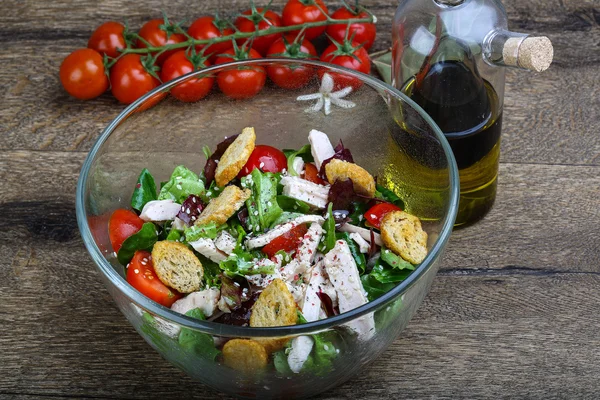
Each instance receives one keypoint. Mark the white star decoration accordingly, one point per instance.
(325, 98)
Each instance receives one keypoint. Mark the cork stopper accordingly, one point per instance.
(529, 52)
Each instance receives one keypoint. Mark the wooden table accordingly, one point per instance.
(514, 311)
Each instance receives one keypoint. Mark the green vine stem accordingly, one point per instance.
(244, 35)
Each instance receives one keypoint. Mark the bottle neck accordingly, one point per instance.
(519, 50)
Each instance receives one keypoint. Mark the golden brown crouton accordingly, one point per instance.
(275, 307)
(402, 233)
(341, 170)
(235, 157)
(245, 355)
(221, 208)
(176, 266)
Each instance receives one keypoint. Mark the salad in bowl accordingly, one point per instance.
(264, 237)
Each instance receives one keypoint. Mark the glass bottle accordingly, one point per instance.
(448, 56)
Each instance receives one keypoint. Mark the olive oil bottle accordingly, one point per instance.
(449, 57)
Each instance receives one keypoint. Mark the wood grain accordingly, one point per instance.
(512, 313)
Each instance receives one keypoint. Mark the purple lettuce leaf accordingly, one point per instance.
(190, 209)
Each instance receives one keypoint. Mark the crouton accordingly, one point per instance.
(235, 157)
(341, 170)
(402, 233)
(221, 208)
(176, 266)
(245, 355)
(275, 307)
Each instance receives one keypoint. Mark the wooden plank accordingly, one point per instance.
(545, 217)
(474, 336)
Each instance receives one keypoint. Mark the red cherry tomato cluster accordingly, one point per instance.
(115, 56)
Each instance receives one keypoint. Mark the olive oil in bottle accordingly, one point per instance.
(466, 109)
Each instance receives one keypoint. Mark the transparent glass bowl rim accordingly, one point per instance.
(230, 330)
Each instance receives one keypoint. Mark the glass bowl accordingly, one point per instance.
(389, 135)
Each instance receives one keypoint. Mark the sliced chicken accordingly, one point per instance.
(225, 242)
(178, 224)
(305, 256)
(301, 348)
(264, 239)
(320, 147)
(306, 191)
(205, 300)
(207, 248)
(363, 245)
(160, 210)
(263, 280)
(364, 233)
(344, 276)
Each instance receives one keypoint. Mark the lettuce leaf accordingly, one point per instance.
(208, 231)
(374, 288)
(262, 205)
(242, 263)
(143, 239)
(201, 344)
(304, 152)
(320, 360)
(292, 205)
(183, 182)
(395, 261)
(328, 242)
(386, 194)
(145, 190)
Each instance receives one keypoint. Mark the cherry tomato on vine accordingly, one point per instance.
(292, 76)
(266, 159)
(181, 63)
(241, 82)
(302, 11)
(287, 242)
(154, 33)
(141, 275)
(130, 79)
(82, 74)
(209, 27)
(311, 173)
(108, 38)
(348, 55)
(122, 224)
(258, 19)
(364, 32)
(375, 214)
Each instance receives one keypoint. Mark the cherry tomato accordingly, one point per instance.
(298, 12)
(180, 63)
(257, 22)
(361, 63)
(375, 214)
(265, 158)
(364, 32)
(292, 76)
(242, 82)
(311, 173)
(130, 79)
(141, 275)
(107, 38)
(208, 28)
(287, 242)
(82, 74)
(153, 34)
(122, 224)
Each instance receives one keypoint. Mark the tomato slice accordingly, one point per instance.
(141, 275)
(122, 224)
(266, 158)
(376, 213)
(287, 242)
(311, 173)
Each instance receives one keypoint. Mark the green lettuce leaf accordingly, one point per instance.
(292, 205)
(357, 215)
(201, 344)
(262, 205)
(304, 152)
(280, 361)
(328, 242)
(145, 190)
(285, 216)
(386, 194)
(242, 263)
(143, 239)
(320, 360)
(161, 341)
(359, 257)
(374, 288)
(395, 261)
(183, 182)
(175, 235)
(207, 231)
